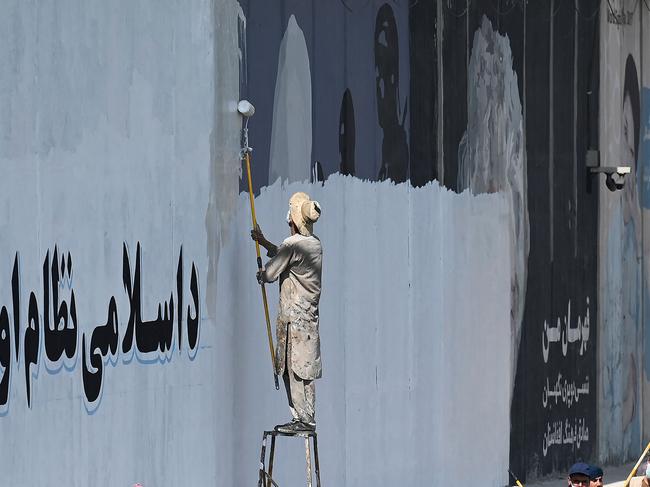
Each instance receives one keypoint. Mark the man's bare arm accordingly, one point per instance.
(258, 236)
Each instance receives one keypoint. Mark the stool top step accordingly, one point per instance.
(301, 434)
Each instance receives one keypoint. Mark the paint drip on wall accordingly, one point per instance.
(491, 153)
(225, 167)
(291, 135)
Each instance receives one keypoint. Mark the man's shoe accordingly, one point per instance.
(295, 426)
(308, 426)
(286, 427)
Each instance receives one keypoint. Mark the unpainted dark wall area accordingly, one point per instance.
(404, 131)
(354, 47)
(561, 123)
(559, 97)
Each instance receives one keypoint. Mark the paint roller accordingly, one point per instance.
(246, 109)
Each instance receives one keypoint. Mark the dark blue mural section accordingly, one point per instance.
(359, 65)
(499, 95)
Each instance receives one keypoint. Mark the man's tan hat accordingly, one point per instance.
(304, 212)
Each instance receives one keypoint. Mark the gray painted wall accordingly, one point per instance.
(415, 330)
(114, 131)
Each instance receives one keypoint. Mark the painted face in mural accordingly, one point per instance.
(629, 159)
(629, 155)
(626, 254)
(490, 162)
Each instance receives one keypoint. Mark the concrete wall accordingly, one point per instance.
(497, 314)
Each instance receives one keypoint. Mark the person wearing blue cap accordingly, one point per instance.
(579, 475)
(595, 476)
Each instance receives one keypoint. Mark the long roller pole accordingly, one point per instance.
(247, 160)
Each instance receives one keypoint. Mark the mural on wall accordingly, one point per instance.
(559, 333)
(356, 49)
(491, 155)
(424, 84)
(290, 157)
(624, 240)
(623, 287)
(513, 124)
(644, 155)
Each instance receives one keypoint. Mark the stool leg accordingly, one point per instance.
(315, 440)
(308, 457)
(260, 482)
(271, 457)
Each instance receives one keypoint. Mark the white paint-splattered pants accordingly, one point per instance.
(302, 397)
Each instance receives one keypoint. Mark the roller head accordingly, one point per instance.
(246, 108)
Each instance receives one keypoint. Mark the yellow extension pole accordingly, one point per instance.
(259, 266)
(636, 466)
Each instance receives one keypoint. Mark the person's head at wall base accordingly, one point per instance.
(579, 475)
(595, 476)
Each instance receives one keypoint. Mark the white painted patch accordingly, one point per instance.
(415, 314)
(291, 136)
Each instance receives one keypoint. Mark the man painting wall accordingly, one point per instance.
(297, 262)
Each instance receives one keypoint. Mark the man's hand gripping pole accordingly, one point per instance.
(247, 110)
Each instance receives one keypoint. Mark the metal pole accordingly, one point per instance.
(271, 458)
(261, 482)
(315, 441)
(308, 457)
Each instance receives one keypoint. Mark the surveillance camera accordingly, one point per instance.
(614, 175)
(615, 181)
(246, 108)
